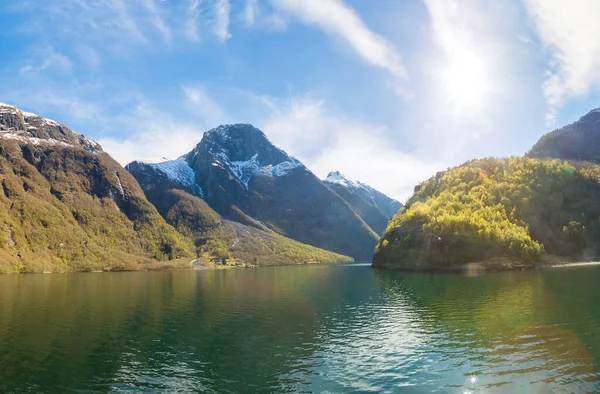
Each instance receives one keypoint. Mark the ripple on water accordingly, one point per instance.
(301, 329)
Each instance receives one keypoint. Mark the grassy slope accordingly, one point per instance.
(61, 209)
(517, 208)
(216, 237)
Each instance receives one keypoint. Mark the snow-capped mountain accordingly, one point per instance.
(246, 178)
(386, 206)
(27, 127)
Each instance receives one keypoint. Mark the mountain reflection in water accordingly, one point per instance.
(327, 328)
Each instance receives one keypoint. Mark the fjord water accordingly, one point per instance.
(328, 328)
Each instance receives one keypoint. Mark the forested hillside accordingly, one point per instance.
(518, 208)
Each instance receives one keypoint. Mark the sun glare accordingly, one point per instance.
(465, 82)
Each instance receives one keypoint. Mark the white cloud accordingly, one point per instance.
(44, 58)
(250, 12)
(157, 20)
(204, 108)
(569, 30)
(339, 20)
(326, 140)
(191, 26)
(154, 133)
(160, 140)
(307, 128)
(221, 28)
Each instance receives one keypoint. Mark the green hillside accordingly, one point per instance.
(519, 209)
(67, 209)
(220, 240)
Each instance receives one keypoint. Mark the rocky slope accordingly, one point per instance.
(374, 207)
(578, 141)
(67, 205)
(240, 174)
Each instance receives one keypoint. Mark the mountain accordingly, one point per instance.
(374, 207)
(240, 174)
(219, 238)
(578, 141)
(66, 205)
(521, 210)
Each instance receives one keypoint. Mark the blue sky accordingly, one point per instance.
(388, 91)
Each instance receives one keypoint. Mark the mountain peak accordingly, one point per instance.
(27, 127)
(370, 195)
(242, 142)
(340, 179)
(579, 140)
(227, 132)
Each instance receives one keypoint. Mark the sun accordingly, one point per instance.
(465, 82)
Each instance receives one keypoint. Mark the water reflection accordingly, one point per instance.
(511, 330)
(301, 329)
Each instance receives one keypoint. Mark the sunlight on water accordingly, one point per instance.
(327, 329)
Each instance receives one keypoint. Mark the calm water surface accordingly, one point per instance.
(344, 328)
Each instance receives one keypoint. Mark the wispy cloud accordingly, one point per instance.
(221, 28)
(339, 20)
(327, 140)
(46, 57)
(568, 30)
(155, 133)
(193, 14)
(250, 12)
(204, 107)
(157, 20)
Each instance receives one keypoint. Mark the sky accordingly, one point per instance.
(388, 92)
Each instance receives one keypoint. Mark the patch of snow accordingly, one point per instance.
(178, 170)
(340, 179)
(33, 140)
(283, 168)
(245, 170)
(52, 122)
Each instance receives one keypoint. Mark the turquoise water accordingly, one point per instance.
(331, 328)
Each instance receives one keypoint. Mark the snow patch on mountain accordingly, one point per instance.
(283, 168)
(33, 122)
(179, 171)
(370, 195)
(244, 170)
(340, 179)
(33, 140)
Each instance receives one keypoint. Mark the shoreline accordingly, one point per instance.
(177, 265)
(495, 265)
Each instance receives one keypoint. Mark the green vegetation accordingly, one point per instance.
(519, 209)
(221, 241)
(66, 209)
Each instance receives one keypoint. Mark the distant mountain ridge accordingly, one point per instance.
(374, 207)
(579, 140)
(245, 178)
